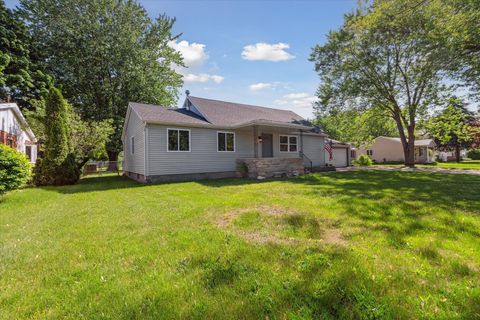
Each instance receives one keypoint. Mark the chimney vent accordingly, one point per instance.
(187, 92)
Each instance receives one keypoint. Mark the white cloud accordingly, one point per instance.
(300, 100)
(193, 54)
(267, 52)
(202, 78)
(259, 86)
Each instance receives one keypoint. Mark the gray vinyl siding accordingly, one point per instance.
(203, 155)
(135, 128)
(313, 148)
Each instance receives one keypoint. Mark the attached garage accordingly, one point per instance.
(340, 154)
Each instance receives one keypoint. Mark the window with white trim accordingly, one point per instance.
(369, 152)
(178, 140)
(225, 141)
(132, 145)
(288, 143)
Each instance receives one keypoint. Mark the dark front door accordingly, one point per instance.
(267, 145)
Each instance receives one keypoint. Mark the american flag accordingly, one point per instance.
(329, 149)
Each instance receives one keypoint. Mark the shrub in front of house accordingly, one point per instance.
(474, 154)
(363, 161)
(15, 170)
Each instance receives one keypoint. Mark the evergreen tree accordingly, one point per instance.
(453, 129)
(58, 165)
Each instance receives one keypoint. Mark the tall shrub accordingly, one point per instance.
(58, 166)
(15, 170)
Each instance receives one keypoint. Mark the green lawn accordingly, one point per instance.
(361, 245)
(471, 165)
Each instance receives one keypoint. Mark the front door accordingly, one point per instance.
(267, 145)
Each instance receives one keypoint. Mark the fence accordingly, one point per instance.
(101, 167)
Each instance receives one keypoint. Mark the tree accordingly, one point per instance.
(104, 54)
(20, 76)
(354, 126)
(57, 166)
(452, 128)
(459, 31)
(382, 59)
(88, 138)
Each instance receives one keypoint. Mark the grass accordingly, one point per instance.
(469, 165)
(364, 245)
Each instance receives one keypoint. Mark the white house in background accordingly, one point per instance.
(15, 132)
(388, 149)
(212, 139)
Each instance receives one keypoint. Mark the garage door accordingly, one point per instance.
(339, 158)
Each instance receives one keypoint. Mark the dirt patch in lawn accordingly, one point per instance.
(279, 225)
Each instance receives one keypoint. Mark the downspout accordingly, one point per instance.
(255, 142)
(145, 131)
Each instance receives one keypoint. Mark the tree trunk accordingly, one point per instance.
(409, 148)
(457, 153)
(112, 160)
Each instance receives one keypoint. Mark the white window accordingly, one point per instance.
(225, 141)
(288, 143)
(369, 152)
(132, 139)
(178, 140)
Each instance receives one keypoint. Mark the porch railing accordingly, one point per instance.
(310, 162)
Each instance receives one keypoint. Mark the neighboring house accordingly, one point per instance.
(450, 155)
(212, 139)
(15, 132)
(388, 149)
(341, 154)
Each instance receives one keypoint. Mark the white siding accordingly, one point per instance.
(135, 128)
(203, 155)
(11, 124)
(313, 149)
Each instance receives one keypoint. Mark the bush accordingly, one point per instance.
(363, 161)
(49, 173)
(15, 170)
(474, 154)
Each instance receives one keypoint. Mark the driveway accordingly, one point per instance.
(407, 169)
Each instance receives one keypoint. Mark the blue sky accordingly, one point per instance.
(253, 52)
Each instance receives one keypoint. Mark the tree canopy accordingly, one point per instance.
(104, 54)
(384, 59)
(20, 74)
(453, 128)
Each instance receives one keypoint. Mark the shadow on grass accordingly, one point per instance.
(97, 183)
(403, 204)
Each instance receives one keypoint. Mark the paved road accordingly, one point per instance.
(407, 169)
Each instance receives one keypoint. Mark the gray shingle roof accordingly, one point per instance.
(218, 113)
(153, 113)
(231, 114)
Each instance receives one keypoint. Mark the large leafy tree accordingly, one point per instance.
(104, 54)
(20, 74)
(382, 59)
(459, 31)
(354, 126)
(453, 128)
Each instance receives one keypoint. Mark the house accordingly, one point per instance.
(388, 149)
(15, 132)
(214, 139)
